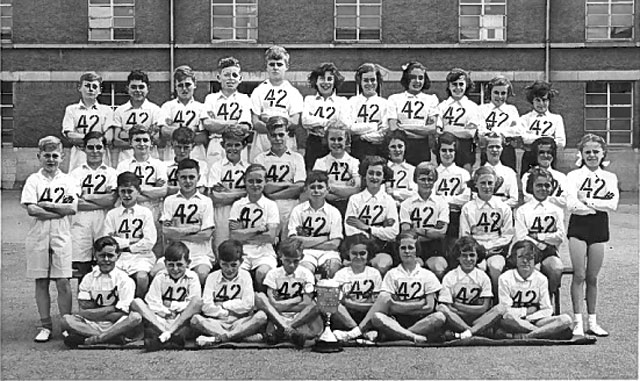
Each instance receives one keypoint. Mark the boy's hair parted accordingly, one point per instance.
(277, 52)
(406, 72)
(226, 62)
(94, 135)
(290, 248)
(466, 243)
(90, 76)
(176, 251)
(314, 176)
(138, 129)
(454, 75)
(129, 179)
(235, 135)
(326, 67)
(52, 143)
(183, 135)
(183, 72)
(103, 242)
(188, 164)
(276, 122)
(138, 75)
(230, 250)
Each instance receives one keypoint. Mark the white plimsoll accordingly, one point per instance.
(43, 335)
(203, 341)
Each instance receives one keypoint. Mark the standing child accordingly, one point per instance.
(86, 116)
(184, 111)
(49, 196)
(173, 299)
(373, 212)
(133, 227)
(322, 110)
(292, 313)
(540, 121)
(226, 110)
(228, 301)
(461, 116)
(402, 185)
(492, 145)
(97, 184)
(593, 192)
(414, 112)
(275, 97)
(104, 297)
(318, 225)
(369, 113)
(182, 143)
(545, 151)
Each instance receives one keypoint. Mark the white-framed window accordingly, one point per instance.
(478, 93)
(6, 111)
(608, 111)
(483, 20)
(609, 20)
(6, 20)
(358, 20)
(114, 94)
(112, 20)
(234, 20)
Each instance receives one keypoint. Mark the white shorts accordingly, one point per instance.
(256, 256)
(139, 262)
(221, 220)
(100, 326)
(48, 249)
(86, 227)
(318, 257)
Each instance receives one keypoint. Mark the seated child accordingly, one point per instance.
(492, 144)
(227, 301)
(172, 300)
(182, 143)
(104, 297)
(402, 185)
(288, 301)
(525, 293)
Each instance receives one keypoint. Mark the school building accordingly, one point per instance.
(589, 50)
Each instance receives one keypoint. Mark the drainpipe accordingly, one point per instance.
(172, 45)
(547, 41)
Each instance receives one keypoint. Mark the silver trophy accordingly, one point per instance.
(328, 299)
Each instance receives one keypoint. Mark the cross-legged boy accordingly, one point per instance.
(97, 184)
(318, 225)
(50, 197)
(182, 143)
(227, 301)
(133, 227)
(287, 302)
(188, 218)
(86, 116)
(104, 297)
(173, 298)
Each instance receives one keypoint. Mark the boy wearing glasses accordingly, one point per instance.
(97, 183)
(49, 196)
(86, 116)
(275, 97)
(226, 110)
(137, 111)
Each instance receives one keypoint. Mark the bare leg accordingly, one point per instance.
(392, 329)
(343, 318)
(380, 305)
(428, 324)
(552, 327)
(262, 303)
(208, 326)
(309, 313)
(438, 265)
(495, 265)
(119, 329)
(552, 268)
(515, 324)
(203, 272)
(453, 319)
(594, 263)
(577, 251)
(488, 319)
(247, 326)
(142, 283)
(260, 274)
(74, 325)
(194, 307)
(139, 306)
(382, 262)
(331, 267)
(43, 302)
(65, 299)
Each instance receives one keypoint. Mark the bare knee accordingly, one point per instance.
(500, 309)
(495, 264)
(260, 317)
(382, 262)
(591, 279)
(579, 277)
(438, 317)
(135, 318)
(377, 318)
(566, 320)
(438, 265)
(261, 273)
(260, 300)
(332, 266)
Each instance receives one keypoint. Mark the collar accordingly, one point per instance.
(409, 95)
(102, 166)
(82, 106)
(130, 210)
(462, 100)
(519, 278)
(368, 194)
(403, 165)
(541, 115)
(97, 273)
(307, 206)
(418, 198)
(144, 105)
(480, 203)
(222, 96)
(225, 280)
(271, 153)
(329, 98)
(177, 100)
(404, 271)
(185, 276)
(197, 195)
(227, 162)
(58, 172)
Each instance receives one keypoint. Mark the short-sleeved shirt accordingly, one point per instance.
(456, 114)
(235, 295)
(369, 116)
(465, 288)
(489, 222)
(58, 189)
(234, 108)
(172, 173)
(420, 213)
(534, 125)
(149, 171)
(340, 171)
(452, 181)
(413, 109)
(373, 210)
(126, 116)
(136, 222)
(95, 181)
(177, 114)
(252, 214)
(228, 174)
(115, 288)
(318, 110)
(82, 119)
(502, 120)
(286, 169)
(165, 290)
(402, 182)
(359, 287)
(289, 286)
(323, 222)
(516, 292)
(410, 286)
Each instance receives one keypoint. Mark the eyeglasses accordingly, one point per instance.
(51, 155)
(91, 86)
(97, 147)
(362, 253)
(141, 140)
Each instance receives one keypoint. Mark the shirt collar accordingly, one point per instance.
(309, 207)
(271, 153)
(102, 166)
(516, 275)
(331, 97)
(58, 172)
(97, 273)
(481, 203)
(197, 195)
(84, 107)
(226, 162)
(130, 210)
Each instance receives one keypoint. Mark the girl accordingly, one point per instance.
(500, 117)
(461, 116)
(368, 112)
(414, 112)
(592, 193)
(402, 185)
(322, 109)
(545, 151)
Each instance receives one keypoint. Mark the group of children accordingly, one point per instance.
(219, 217)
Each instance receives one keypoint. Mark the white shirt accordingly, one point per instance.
(340, 171)
(234, 108)
(359, 287)
(465, 288)
(95, 181)
(452, 182)
(457, 115)
(262, 212)
(286, 169)
(320, 111)
(413, 109)
(598, 189)
(369, 117)
(177, 114)
(534, 125)
(172, 173)
(413, 285)
(234, 295)
(373, 210)
(502, 120)
(559, 195)
(323, 222)
(518, 293)
(288, 286)
(508, 191)
(489, 222)
(60, 189)
(228, 174)
(126, 224)
(420, 213)
(177, 293)
(543, 218)
(82, 119)
(402, 183)
(148, 171)
(115, 288)
(147, 114)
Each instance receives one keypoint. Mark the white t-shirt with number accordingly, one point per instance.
(289, 286)
(167, 294)
(534, 125)
(410, 286)
(177, 114)
(502, 120)
(252, 214)
(420, 213)
(115, 288)
(340, 171)
(413, 110)
(369, 117)
(489, 222)
(234, 295)
(452, 183)
(320, 111)
(465, 288)
(359, 287)
(457, 115)
(131, 224)
(597, 189)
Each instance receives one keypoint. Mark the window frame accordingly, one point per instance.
(3, 106)
(6, 4)
(607, 131)
(358, 16)
(112, 4)
(483, 31)
(609, 26)
(111, 89)
(234, 4)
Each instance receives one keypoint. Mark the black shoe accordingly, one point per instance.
(73, 341)
(152, 344)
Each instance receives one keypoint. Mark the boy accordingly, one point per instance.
(133, 227)
(227, 110)
(228, 301)
(104, 297)
(492, 144)
(188, 217)
(227, 183)
(183, 111)
(97, 184)
(173, 298)
(287, 302)
(285, 171)
(137, 111)
(428, 215)
(182, 143)
(49, 196)
(318, 226)
(275, 97)
(524, 291)
(86, 116)
(254, 221)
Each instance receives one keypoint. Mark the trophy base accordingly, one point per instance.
(327, 347)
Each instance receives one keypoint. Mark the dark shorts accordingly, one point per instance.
(593, 228)
(80, 269)
(361, 148)
(453, 229)
(417, 151)
(550, 251)
(316, 148)
(465, 152)
(430, 249)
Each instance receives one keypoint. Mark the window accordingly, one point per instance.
(111, 20)
(347, 89)
(483, 20)
(6, 21)
(234, 20)
(609, 111)
(114, 94)
(6, 109)
(609, 19)
(358, 20)
(478, 93)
